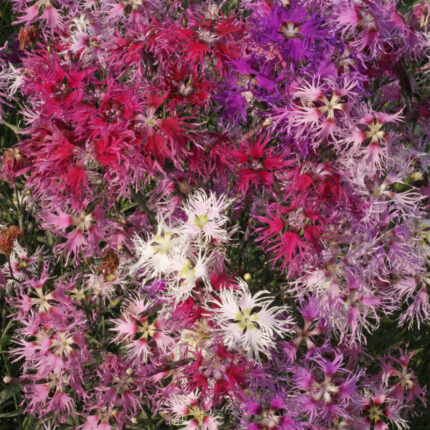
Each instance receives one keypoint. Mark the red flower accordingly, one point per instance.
(257, 163)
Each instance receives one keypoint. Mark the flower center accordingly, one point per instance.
(290, 30)
(163, 243)
(325, 390)
(201, 220)
(83, 221)
(269, 418)
(184, 89)
(188, 271)
(147, 330)
(331, 105)
(375, 413)
(63, 344)
(151, 120)
(42, 302)
(246, 320)
(197, 413)
(375, 133)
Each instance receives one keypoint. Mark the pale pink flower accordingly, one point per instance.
(206, 219)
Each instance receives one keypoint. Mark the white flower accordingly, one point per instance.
(188, 269)
(157, 255)
(205, 217)
(247, 322)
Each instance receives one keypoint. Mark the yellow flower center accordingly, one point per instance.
(42, 301)
(63, 344)
(83, 221)
(197, 413)
(290, 30)
(375, 133)
(331, 105)
(147, 330)
(163, 243)
(151, 120)
(188, 270)
(375, 413)
(201, 220)
(245, 320)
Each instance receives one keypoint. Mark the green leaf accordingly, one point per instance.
(5, 330)
(11, 414)
(9, 392)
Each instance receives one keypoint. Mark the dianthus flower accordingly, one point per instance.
(248, 323)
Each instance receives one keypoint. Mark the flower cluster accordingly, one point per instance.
(214, 214)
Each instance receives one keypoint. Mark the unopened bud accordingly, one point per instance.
(247, 276)
(7, 379)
